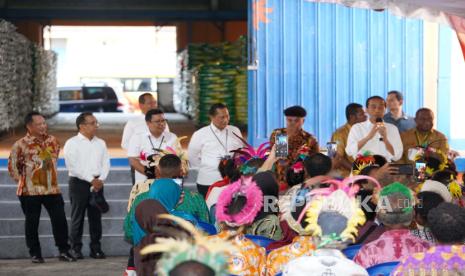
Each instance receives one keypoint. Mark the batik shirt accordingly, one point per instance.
(278, 258)
(295, 145)
(392, 246)
(438, 260)
(32, 163)
(249, 260)
(340, 137)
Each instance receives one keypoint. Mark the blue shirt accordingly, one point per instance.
(403, 123)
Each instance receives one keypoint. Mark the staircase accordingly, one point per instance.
(12, 239)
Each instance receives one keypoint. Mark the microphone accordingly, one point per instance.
(379, 121)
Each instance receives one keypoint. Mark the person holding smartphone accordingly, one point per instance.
(296, 139)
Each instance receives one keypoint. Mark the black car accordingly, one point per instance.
(89, 98)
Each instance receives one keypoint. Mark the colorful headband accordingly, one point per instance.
(298, 167)
(363, 161)
(211, 252)
(254, 201)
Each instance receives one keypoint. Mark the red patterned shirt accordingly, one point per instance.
(32, 163)
(391, 246)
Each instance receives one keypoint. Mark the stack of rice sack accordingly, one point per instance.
(45, 99)
(15, 76)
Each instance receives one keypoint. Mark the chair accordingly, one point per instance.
(207, 227)
(259, 240)
(383, 269)
(351, 251)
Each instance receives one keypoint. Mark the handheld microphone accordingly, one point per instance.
(379, 121)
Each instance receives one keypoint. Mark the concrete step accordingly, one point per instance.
(12, 209)
(116, 175)
(112, 191)
(14, 247)
(15, 226)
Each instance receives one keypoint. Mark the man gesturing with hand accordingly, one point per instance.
(374, 135)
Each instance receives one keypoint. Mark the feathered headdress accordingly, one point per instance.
(178, 151)
(427, 153)
(208, 251)
(362, 161)
(334, 214)
(243, 155)
(254, 201)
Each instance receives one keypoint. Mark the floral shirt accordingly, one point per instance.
(278, 258)
(249, 260)
(295, 144)
(438, 260)
(391, 246)
(32, 163)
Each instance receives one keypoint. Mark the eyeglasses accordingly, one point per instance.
(159, 121)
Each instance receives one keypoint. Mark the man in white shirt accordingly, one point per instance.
(138, 125)
(210, 143)
(88, 163)
(147, 143)
(374, 135)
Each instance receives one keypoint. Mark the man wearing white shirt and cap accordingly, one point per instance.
(147, 143)
(374, 135)
(209, 144)
(138, 125)
(88, 163)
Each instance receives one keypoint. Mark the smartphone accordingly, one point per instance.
(404, 169)
(332, 149)
(281, 145)
(420, 166)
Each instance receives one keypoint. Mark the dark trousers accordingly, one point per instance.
(79, 194)
(32, 206)
(202, 189)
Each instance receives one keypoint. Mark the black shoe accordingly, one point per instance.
(66, 257)
(97, 254)
(76, 254)
(37, 259)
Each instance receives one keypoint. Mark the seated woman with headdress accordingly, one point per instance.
(229, 173)
(190, 208)
(266, 223)
(316, 167)
(191, 255)
(333, 215)
(237, 208)
(395, 212)
(331, 218)
(447, 257)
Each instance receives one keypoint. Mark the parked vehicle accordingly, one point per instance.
(90, 98)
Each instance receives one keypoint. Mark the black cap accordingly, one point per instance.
(295, 111)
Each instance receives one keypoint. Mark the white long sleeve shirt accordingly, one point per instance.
(146, 144)
(86, 158)
(206, 148)
(374, 145)
(134, 126)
